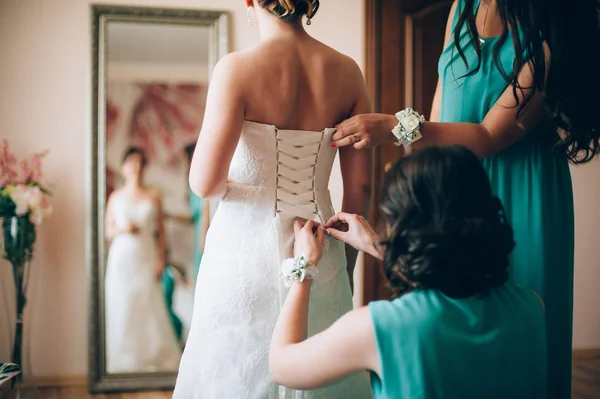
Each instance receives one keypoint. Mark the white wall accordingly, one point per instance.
(45, 103)
(152, 73)
(586, 313)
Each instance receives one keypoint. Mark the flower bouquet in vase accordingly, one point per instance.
(24, 204)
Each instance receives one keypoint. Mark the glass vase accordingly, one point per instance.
(19, 237)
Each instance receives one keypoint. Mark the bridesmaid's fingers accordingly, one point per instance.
(337, 234)
(320, 236)
(297, 226)
(349, 138)
(345, 128)
(310, 226)
(361, 145)
(341, 217)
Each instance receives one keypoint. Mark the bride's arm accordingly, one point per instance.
(356, 171)
(221, 128)
(110, 227)
(161, 260)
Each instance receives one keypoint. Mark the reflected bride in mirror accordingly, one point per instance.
(151, 68)
(139, 334)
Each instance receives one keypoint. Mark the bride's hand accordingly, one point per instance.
(355, 231)
(310, 240)
(365, 130)
(131, 228)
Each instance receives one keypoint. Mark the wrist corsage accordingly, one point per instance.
(297, 269)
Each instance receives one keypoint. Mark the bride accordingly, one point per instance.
(139, 334)
(265, 151)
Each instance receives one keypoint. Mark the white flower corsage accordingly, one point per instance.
(408, 129)
(297, 269)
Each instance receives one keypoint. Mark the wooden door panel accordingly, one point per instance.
(404, 39)
(425, 31)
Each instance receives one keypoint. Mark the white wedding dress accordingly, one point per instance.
(139, 333)
(274, 177)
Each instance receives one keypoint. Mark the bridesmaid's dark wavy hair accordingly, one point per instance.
(572, 33)
(445, 229)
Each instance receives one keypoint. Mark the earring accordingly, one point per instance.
(308, 22)
(249, 16)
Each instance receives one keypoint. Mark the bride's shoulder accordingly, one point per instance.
(338, 63)
(232, 68)
(115, 195)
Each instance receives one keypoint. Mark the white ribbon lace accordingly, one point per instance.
(297, 156)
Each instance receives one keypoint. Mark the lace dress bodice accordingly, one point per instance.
(275, 176)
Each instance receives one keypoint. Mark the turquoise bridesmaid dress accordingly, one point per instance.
(168, 281)
(534, 182)
(196, 211)
(434, 347)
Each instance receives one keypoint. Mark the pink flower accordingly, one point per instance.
(20, 196)
(20, 181)
(8, 161)
(37, 215)
(30, 199)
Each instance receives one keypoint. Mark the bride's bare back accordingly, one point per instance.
(297, 82)
(291, 81)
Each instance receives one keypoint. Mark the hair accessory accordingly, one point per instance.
(408, 129)
(297, 269)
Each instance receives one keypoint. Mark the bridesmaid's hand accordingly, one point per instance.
(355, 231)
(365, 130)
(310, 240)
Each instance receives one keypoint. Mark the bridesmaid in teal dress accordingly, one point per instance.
(456, 329)
(509, 45)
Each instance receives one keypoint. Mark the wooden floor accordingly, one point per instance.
(586, 378)
(586, 385)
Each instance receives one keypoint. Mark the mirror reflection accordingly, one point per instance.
(157, 75)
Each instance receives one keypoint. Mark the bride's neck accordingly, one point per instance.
(133, 185)
(271, 27)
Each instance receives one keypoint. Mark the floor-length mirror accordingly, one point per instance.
(151, 71)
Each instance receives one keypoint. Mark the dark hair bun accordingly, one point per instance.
(290, 10)
(446, 230)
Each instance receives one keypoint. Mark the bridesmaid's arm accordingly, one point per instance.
(437, 103)
(356, 172)
(346, 347)
(221, 128)
(437, 97)
(499, 129)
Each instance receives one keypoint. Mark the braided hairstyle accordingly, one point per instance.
(290, 10)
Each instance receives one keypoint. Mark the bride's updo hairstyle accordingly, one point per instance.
(290, 10)
(445, 229)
